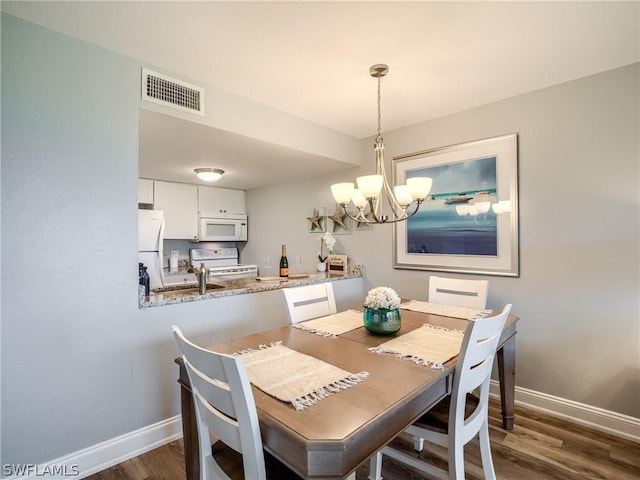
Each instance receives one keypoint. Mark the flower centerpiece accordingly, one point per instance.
(382, 311)
(330, 241)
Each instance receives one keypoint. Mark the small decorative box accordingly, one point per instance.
(337, 264)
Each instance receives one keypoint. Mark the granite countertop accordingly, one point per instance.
(221, 288)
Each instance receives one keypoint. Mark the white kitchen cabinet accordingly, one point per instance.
(179, 201)
(145, 190)
(219, 201)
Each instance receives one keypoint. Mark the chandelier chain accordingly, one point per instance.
(379, 137)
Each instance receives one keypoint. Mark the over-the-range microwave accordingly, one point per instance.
(222, 228)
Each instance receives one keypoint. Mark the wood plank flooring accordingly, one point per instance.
(539, 447)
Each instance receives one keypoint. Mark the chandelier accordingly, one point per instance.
(372, 188)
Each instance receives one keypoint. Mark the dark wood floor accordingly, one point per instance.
(538, 448)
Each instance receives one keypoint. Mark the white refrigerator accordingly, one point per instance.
(150, 244)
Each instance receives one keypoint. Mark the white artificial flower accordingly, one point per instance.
(382, 297)
(330, 241)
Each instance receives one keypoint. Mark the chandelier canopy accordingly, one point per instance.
(372, 188)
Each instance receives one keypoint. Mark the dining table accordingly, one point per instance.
(331, 438)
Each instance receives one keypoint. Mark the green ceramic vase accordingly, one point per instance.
(382, 321)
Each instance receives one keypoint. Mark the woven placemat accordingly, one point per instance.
(294, 377)
(333, 325)
(428, 345)
(445, 310)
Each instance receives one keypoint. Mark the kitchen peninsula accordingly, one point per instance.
(222, 288)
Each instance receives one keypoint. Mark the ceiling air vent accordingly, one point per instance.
(173, 93)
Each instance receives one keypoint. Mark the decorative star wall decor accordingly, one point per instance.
(339, 219)
(317, 221)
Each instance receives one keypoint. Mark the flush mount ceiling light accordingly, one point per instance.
(208, 174)
(372, 188)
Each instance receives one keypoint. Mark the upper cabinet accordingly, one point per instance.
(213, 201)
(184, 203)
(145, 191)
(179, 201)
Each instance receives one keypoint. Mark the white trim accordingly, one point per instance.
(614, 423)
(111, 452)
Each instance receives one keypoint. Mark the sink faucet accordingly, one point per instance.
(202, 279)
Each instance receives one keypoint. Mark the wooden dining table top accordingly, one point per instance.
(331, 438)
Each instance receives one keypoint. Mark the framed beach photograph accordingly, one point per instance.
(469, 222)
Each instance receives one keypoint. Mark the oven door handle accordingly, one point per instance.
(239, 271)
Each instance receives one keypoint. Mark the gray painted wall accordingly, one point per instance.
(69, 167)
(81, 364)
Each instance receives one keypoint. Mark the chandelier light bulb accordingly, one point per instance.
(342, 192)
(358, 199)
(402, 195)
(419, 187)
(370, 185)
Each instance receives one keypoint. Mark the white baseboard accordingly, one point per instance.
(617, 424)
(106, 454)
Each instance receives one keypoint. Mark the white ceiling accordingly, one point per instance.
(312, 59)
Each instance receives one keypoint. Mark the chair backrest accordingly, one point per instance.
(459, 292)
(224, 406)
(473, 370)
(309, 301)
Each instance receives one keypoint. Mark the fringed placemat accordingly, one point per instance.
(428, 345)
(445, 310)
(332, 325)
(294, 377)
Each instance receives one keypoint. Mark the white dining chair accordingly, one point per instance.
(309, 301)
(459, 292)
(466, 418)
(225, 407)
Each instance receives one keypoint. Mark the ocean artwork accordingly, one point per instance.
(443, 224)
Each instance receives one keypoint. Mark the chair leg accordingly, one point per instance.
(375, 467)
(418, 444)
(485, 452)
(456, 460)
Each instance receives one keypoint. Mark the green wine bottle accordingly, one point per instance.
(284, 263)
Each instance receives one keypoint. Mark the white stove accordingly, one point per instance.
(221, 263)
